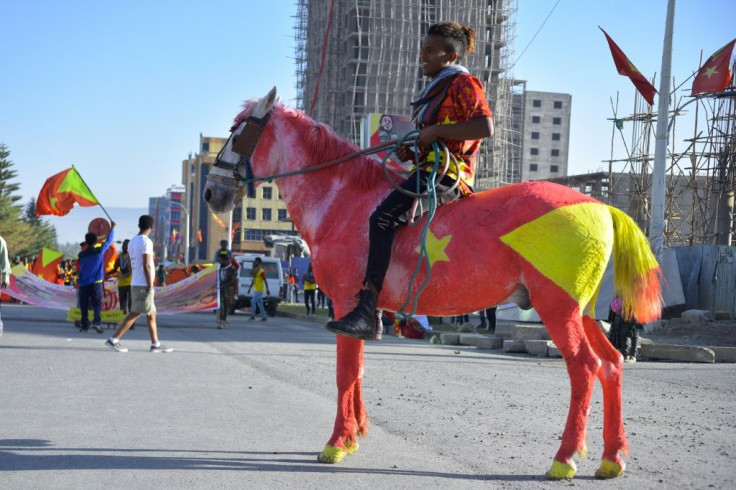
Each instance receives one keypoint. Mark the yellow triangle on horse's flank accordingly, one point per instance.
(556, 242)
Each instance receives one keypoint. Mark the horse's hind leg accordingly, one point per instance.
(610, 376)
(561, 315)
(351, 419)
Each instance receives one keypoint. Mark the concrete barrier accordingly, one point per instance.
(470, 338)
(537, 348)
(724, 354)
(492, 342)
(553, 351)
(684, 353)
(504, 330)
(513, 346)
(450, 338)
(529, 332)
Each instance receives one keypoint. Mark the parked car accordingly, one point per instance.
(274, 278)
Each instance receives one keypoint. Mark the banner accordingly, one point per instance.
(197, 292)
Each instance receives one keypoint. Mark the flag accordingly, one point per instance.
(715, 74)
(173, 235)
(47, 263)
(199, 235)
(218, 221)
(61, 191)
(625, 67)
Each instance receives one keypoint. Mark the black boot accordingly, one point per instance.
(361, 322)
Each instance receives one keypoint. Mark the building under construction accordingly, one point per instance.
(361, 57)
(701, 169)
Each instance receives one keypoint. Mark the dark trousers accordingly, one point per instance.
(320, 298)
(126, 300)
(488, 319)
(309, 296)
(388, 216)
(91, 293)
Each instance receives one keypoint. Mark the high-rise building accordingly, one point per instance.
(545, 135)
(361, 57)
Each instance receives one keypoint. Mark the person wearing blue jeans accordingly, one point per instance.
(258, 284)
(91, 276)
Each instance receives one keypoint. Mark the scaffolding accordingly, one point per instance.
(699, 185)
(357, 57)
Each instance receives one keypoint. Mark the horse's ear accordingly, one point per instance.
(265, 104)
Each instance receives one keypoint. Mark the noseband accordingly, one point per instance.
(243, 145)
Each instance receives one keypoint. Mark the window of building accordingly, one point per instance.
(534, 151)
(557, 120)
(558, 104)
(555, 153)
(254, 235)
(282, 215)
(536, 119)
(532, 167)
(267, 192)
(535, 135)
(555, 136)
(205, 147)
(537, 103)
(237, 214)
(250, 214)
(554, 169)
(266, 214)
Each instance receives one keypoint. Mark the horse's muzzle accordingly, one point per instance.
(220, 197)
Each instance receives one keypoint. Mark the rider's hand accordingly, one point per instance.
(404, 153)
(427, 135)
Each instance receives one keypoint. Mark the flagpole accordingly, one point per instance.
(656, 222)
(90, 191)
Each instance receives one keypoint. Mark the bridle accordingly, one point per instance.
(244, 145)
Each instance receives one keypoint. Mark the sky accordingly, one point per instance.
(122, 90)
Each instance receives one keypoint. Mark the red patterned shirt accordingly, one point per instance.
(465, 100)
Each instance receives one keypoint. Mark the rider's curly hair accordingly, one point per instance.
(460, 38)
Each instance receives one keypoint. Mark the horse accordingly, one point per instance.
(537, 243)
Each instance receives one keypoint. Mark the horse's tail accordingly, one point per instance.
(636, 273)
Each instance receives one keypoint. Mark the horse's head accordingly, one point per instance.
(224, 183)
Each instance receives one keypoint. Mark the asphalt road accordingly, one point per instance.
(252, 406)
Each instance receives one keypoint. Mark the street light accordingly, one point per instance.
(186, 240)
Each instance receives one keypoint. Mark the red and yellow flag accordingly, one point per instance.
(625, 67)
(715, 74)
(61, 191)
(47, 263)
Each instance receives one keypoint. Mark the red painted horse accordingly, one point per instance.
(537, 241)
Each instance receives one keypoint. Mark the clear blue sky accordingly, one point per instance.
(123, 89)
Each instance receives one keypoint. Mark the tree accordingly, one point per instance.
(44, 233)
(17, 233)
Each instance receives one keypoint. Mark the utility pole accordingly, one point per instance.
(656, 223)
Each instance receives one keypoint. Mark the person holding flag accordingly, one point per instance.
(91, 277)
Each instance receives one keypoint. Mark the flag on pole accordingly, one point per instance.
(218, 221)
(61, 191)
(625, 67)
(715, 74)
(47, 263)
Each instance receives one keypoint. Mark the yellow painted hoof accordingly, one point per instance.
(351, 447)
(610, 469)
(562, 471)
(332, 454)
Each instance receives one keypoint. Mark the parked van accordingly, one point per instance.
(274, 278)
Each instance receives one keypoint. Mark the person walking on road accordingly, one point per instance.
(141, 259)
(310, 287)
(125, 276)
(4, 271)
(228, 280)
(258, 283)
(91, 278)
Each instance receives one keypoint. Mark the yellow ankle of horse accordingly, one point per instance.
(562, 471)
(332, 454)
(610, 469)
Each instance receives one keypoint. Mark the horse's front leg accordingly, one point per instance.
(351, 420)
